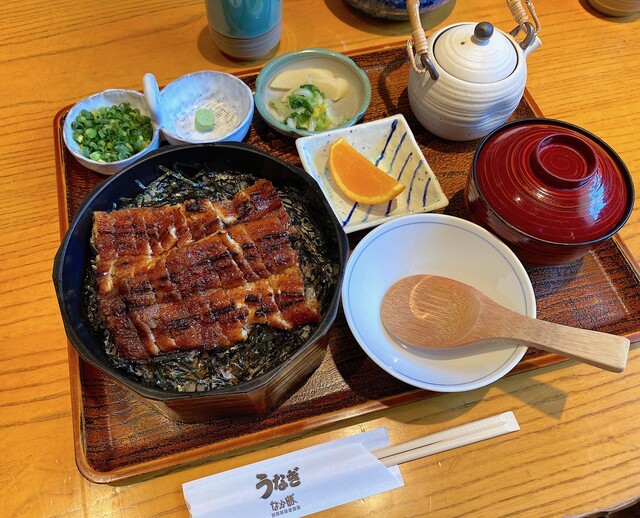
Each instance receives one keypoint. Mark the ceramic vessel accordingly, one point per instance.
(390, 144)
(245, 29)
(109, 97)
(394, 9)
(436, 244)
(616, 7)
(174, 108)
(551, 190)
(351, 107)
(468, 78)
(74, 257)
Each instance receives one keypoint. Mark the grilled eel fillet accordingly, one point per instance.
(198, 274)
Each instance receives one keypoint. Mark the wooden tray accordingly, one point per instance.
(120, 439)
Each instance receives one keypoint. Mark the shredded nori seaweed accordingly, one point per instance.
(265, 348)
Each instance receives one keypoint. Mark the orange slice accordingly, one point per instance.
(358, 179)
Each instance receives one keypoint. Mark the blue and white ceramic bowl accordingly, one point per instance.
(389, 144)
(393, 9)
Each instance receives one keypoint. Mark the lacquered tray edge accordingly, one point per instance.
(278, 434)
(634, 266)
(63, 213)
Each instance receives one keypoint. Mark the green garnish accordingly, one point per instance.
(307, 108)
(112, 133)
(205, 119)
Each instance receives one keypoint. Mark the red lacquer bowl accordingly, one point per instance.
(551, 190)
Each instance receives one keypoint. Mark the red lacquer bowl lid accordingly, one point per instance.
(553, 181)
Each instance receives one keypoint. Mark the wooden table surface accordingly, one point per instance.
(578, 452)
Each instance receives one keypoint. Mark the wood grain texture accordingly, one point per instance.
(577, 452)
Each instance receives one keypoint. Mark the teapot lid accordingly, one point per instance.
(475, 53)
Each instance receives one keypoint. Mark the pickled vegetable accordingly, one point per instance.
(307, 108)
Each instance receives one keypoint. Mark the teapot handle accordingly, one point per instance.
(531, 40)
(418, 45)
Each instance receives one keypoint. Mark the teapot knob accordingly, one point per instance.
(483, 32)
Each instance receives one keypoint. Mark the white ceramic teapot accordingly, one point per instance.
(467, 79)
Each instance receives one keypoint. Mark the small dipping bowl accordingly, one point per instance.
(111, 97)
(551, 190)
(353, 105)
(174, 108)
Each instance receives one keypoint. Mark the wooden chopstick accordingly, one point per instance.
(448, 439)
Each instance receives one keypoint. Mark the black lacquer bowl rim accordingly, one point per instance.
(75, 249)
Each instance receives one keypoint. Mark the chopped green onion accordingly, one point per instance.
(112, 133)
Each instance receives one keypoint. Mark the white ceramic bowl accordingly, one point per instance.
(107, 98)
(389, 143)
(440, 245)
(353, 105)
(175, 106)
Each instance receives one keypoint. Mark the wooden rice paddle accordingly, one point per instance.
(428, 311)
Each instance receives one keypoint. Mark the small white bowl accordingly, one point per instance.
(108, 98)
(175, 106)
(353, 105)
(389, 143)
(443, 245)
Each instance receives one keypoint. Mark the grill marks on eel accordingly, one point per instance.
(198, 274)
